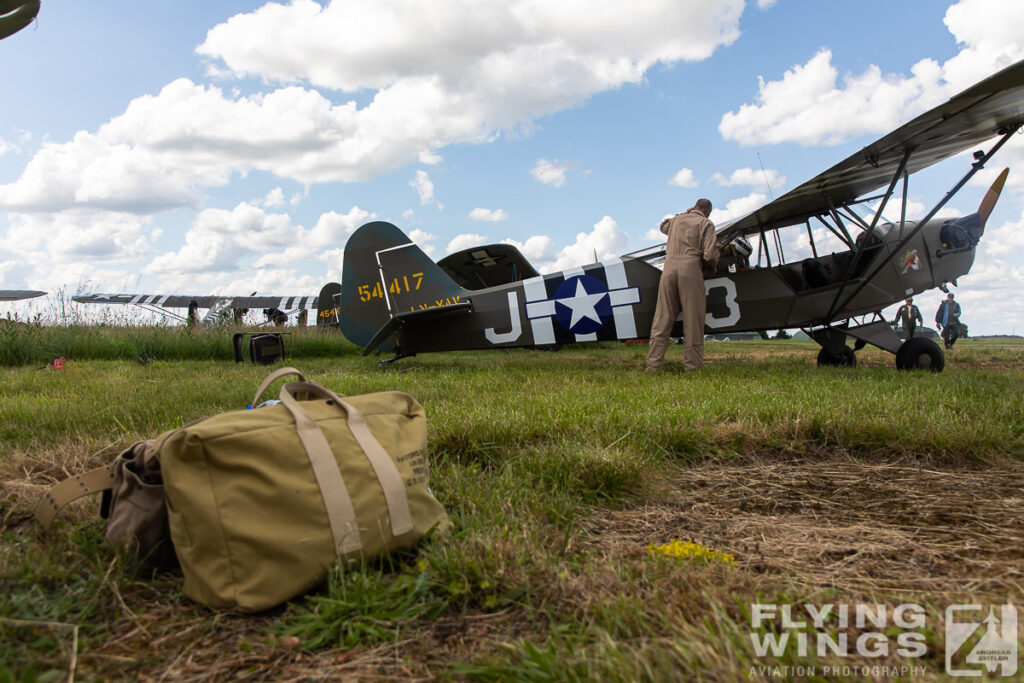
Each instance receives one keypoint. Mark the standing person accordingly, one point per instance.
(193, 314)
(948, 320)
(909, 316)
(690, 247)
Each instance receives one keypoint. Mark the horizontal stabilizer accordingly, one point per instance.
(400, 320)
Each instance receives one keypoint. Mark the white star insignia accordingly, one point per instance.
(583, 304)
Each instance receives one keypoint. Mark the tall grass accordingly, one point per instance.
(34, 343)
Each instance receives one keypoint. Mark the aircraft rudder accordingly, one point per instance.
(385, 272)
(328, 305)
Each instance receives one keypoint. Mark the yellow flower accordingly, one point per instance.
(691, 550)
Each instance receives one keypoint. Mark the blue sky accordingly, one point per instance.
(229, 147)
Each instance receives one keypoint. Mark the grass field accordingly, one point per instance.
(567, 476)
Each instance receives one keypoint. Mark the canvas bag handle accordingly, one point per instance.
(273, 377)
(340, 512)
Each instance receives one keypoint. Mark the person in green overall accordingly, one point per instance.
(909, 317)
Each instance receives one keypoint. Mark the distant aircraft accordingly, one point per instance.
(395, 298)
(225, 308)
(16, 15)
(19, 294)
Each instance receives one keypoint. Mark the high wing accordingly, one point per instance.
(19, 294)
(991, 107)
(285, 303)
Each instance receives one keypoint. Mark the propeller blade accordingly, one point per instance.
(988, 202)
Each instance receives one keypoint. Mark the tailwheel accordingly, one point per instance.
(846, 359)
(919, 353)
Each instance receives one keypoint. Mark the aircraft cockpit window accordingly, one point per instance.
(878, 234)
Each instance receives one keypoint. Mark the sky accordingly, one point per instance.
(228, 147)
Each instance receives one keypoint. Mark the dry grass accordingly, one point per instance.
(834, 522)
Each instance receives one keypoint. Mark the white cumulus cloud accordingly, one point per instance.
(356, 88)
(684, 178)
(424, 187)
(813, 105)
(605, 241)
(488, 215)
(551, 172)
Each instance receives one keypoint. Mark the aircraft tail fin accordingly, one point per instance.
(384, 273)
(328, 305)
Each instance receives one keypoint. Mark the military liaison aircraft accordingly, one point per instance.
(394, 298)
(228, 308)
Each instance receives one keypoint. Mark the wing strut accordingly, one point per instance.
(867, 235)
(810, 238)
(903, 208)
(981, 158)
(845, 237)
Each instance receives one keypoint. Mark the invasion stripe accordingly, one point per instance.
(621, 299)
(535, 290)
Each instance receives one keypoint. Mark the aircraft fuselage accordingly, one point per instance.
(615, 300)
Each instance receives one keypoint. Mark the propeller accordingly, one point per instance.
(988, 202)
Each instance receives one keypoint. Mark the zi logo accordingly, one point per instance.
(994, 648)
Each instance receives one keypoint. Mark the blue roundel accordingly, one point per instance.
(582, 305)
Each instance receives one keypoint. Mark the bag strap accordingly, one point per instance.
(73, 488)
(340, 514)
(93, 481)
(388, 476)
(273, 377)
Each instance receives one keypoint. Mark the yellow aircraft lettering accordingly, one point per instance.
(438, 303)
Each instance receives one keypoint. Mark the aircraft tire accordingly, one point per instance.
(848, 359)
(920, 354)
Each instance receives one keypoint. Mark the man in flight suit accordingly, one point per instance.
(690, 247)
(909, 316)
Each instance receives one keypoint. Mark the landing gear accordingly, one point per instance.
(846, 358)
(919, 353)
(398, 356)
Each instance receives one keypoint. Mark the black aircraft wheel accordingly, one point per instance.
(847, 359)
(919, 353)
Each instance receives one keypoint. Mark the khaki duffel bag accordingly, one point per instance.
(262, 503)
